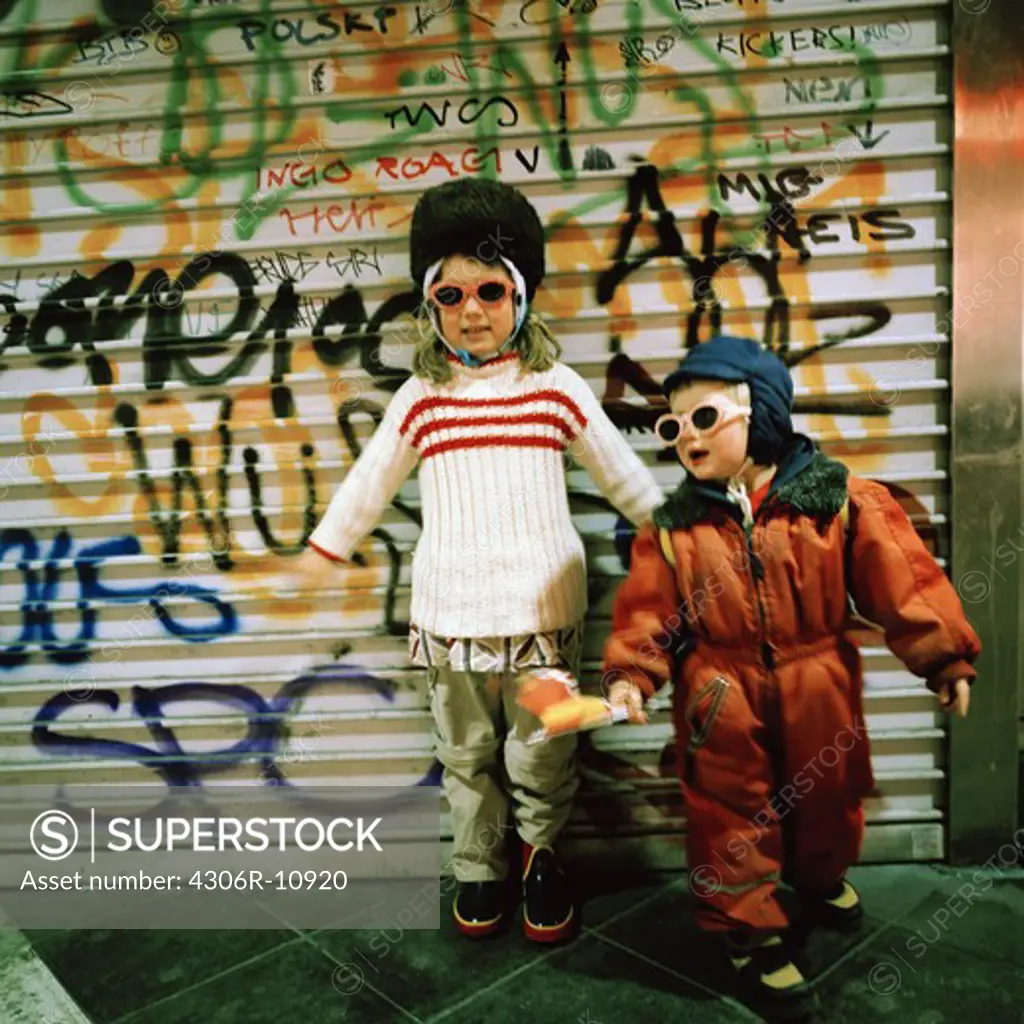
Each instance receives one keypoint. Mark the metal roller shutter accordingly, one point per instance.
(204, 212)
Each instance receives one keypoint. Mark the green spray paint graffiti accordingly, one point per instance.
(569, 78)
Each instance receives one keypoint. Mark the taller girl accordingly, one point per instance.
(499, 575)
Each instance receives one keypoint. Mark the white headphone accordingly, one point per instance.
(519, 298)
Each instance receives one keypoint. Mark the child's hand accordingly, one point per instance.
(626, 694)
(956, 697)
(309, 572)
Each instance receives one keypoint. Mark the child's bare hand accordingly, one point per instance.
(626, 694)
(956, 697)
(306, 573)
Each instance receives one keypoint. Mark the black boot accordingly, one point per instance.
(838, 908)
(479, 908)
(773, 984)
(548, 911)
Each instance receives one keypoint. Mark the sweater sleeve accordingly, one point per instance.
(896, 583)
(649, 629)
(370, 483)
(603, 451)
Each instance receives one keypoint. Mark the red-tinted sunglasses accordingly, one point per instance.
(489, 293)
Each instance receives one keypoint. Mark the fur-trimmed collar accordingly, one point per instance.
(818, 490)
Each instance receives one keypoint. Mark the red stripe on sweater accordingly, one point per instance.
(549, 395)
(492, 442)
(327, 554)
(545, 418)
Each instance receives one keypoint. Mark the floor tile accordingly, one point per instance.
(592, 982)
(603, 898)
(889, 894)
(12, 944)
(29, 992)
(897, 979)
(982, 915)
(111, 973)
(296, 985)
(663, 930)
(641, 958)
(423, 970)
(889, 890)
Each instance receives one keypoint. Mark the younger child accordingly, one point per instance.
(499, 574)
(739, 595)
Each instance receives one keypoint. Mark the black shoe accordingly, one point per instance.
(548, 911)
(773, 984)
(479, 908)
(838, 909)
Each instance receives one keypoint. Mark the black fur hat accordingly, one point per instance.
(477, 217)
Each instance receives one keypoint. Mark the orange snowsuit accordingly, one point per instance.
(751, 626)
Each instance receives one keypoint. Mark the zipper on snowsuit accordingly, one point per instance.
(767, 651)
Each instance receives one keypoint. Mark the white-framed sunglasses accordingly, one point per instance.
(706, 419)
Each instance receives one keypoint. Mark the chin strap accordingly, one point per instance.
(463, 356)
(737, 490)
(467, 358)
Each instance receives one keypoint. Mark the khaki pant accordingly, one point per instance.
(480, 735)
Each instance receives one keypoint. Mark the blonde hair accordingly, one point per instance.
(537, 347)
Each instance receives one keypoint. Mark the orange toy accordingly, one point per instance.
(553, 696)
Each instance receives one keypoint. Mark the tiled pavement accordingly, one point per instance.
(925, 956)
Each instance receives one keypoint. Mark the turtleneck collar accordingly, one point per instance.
(498, 364)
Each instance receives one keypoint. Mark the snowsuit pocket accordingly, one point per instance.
(700, 713)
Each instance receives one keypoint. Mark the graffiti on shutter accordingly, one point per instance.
(205, 307)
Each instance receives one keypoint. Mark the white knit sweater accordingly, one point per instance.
(499, 554)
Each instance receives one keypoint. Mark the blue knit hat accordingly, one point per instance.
(739, 360)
